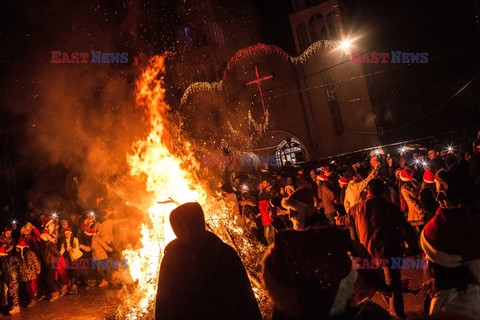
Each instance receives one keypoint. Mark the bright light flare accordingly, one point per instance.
(346, 46)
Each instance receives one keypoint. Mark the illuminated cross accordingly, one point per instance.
(258, 82)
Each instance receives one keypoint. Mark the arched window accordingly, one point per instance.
(289, 151)
(332, 25)
(302, 36)
(317, 27)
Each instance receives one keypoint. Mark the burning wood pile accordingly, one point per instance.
(172, 177)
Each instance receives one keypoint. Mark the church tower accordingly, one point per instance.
(314, 20)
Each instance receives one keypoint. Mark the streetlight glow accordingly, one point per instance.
(346, 46)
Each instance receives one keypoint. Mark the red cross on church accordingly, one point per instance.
(258, 82)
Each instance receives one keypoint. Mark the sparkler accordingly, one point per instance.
(54, 214)
(244, 187)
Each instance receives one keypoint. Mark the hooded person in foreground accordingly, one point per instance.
(308, 274)
(201, 277)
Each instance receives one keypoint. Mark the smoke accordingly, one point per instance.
(79, 120)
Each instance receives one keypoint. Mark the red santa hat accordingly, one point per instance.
(67, 230)
(406, 175)
(46, 222)
(429, 176)
(322, 177)
(342, 181)
(308, 273)
(90, 231)
(22, 244)
(47, 236)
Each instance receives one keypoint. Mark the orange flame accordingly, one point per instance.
(165, 180)
(170, 183)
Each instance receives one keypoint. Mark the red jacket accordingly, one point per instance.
(263, 207)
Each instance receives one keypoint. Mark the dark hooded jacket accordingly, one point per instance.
(201, 277)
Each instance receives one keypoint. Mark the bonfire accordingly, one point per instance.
(172, 174)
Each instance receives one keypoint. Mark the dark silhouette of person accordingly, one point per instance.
(201, 277)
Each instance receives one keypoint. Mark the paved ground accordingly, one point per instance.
(413, 303)
(91, 304)
(95, 303)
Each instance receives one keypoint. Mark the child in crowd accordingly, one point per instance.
(70, 250)
(29, 269)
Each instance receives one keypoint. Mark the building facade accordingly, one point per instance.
(298, 108)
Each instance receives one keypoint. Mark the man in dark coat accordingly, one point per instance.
(381, 228)
(201, 277)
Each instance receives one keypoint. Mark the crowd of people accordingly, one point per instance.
(45, 257)
(410, 202)
(314, 220)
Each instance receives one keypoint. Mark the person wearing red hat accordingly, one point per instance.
(301, 206)
(410, 193)
(308, 274)
(50, 256)
(31, 235)
(428, 194)
(84, 235)
(70, 250)
(451, 242)
(342, 182)
(29, 269)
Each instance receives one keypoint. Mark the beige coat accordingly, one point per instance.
(100, 248)
(415, 212)
(353, 193)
